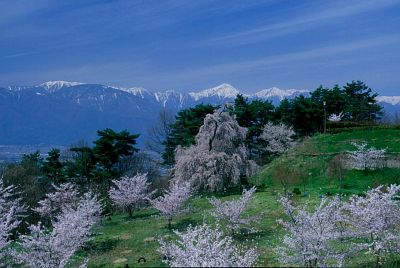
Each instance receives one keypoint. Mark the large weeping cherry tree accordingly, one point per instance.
(204, 246)
(218, 159)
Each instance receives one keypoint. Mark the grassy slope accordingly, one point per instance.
(121, 241)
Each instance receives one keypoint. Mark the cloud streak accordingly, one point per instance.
(314, 18)
(290, 57)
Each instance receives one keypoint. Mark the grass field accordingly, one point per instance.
(120, 240)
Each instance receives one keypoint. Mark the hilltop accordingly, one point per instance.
(120, 240)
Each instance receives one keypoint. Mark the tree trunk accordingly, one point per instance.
(169, 223)
(130, 212)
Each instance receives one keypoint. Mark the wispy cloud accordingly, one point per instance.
(312, 17)
(17, 55)
(288, 58)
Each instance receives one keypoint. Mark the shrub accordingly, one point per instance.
(296, 191)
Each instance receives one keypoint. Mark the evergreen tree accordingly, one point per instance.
(253, 116)
(335, 99)
(83, 163)
(302, 113)
(361, 102)
(99, 162)
(52, 166)
(112, 145)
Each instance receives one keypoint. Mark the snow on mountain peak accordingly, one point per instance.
(136, 91)
(222, 91)
(55, 85)
(277, 92)
(393, 100)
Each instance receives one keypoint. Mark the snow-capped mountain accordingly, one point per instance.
(281, 94)
(55, 85)
(61, 112)
(223, 91)
(393, 100)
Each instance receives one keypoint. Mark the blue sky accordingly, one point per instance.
(191, 45)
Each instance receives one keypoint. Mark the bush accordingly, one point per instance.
(296, 191)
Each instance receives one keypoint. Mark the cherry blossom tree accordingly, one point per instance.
(366, 158)
(131, 192)
(218, 159)
(276, 139)
(335, 117)
(11, 210)
(173, 202)
(375, 219)
(310, 235)
(232, 211)
(65, 195)
(203, 246)
(71, 229)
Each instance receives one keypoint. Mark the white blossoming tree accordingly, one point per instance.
(65, 195)
(203, 246)
(276, 139)
(218, 159)
(366, 158)
(11, 210)
(130, 192)
(310, 235)
(54, 248)
(375, 219)
(335, 117)
(173, 202)
(232, 212)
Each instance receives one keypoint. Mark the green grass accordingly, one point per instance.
(121, 240)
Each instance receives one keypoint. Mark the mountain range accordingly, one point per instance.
(63, 113)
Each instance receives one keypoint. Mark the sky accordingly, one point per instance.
(191, 45)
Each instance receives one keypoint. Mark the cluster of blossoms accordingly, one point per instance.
(336, 117)
(131, 192)
(232, 211)
(204, 246)
(72, 218)
(276, 139)
(65, 195)
(376, 218)
(366, 158)
(173, 202)
(11, 212)
(219, 157)
(367, 223)
(309, 235)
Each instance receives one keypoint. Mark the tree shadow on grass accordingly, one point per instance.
(100, 246)
(141, 215)
(181, 225)
(258, 235)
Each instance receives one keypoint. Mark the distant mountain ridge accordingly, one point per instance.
(61, 112)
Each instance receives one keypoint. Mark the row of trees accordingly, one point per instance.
(202, 245)
(91, 168)
(307, 115)
(337, 230)
(328, 235)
